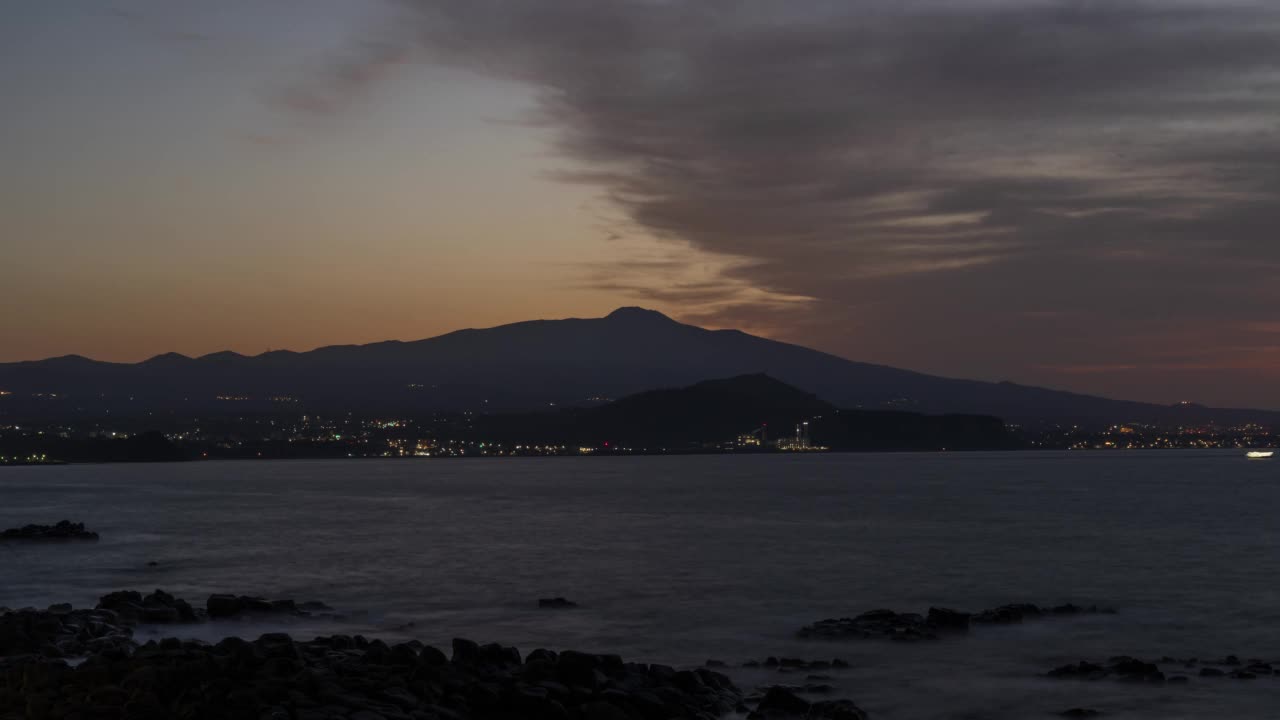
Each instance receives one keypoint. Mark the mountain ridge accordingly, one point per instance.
(536, 363)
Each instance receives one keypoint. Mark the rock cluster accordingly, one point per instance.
(780, 702)
(341, 677)
(63, 530)
(232, 606)
(1166, 669)
(60, 631)
(911, 627)
(357, 679)
(160, 607)
(786, 664)
(1119, 668)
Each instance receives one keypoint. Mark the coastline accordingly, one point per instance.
(67, 663)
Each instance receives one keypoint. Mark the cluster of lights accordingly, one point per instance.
(28, 460)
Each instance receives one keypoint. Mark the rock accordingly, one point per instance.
(465, 652)
(780, 702)
(1211, 672)
(1118, 668)
(158, 607)
(222, 606)
(62, 632)
(556, 603)
(945, 619)
(1008, 614)
(1080, 713)
(910, 627)
(63, 530)
(1082, 670)
(885, 624)
(1134, 670)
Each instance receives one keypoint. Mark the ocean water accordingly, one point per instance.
(682, 559)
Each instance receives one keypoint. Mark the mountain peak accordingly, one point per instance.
(166, 358)
(633, 313)
(222, 356)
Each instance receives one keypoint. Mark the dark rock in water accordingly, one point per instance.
(781, 702)
(1008, 614)
(63, 530)
(1211, 672)
(222, 606)
(909, 627)
(1082, 670)
(61, 632)
(1080, 713)
(1134, 670)
(158, 607)
(1117, 668)
(794, 664)
(556, 603)
(946, 619)
(906, 627)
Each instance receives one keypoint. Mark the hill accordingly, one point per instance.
(531, 365)
(714, 413)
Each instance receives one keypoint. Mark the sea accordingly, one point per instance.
(679, 560)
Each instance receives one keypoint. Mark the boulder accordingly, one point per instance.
(62, 530)
(781, 702)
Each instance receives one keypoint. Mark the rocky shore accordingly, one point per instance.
(66, 663)
(63, 530)
(63, 663)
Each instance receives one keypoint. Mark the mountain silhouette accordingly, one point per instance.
(535, 365)
(713, 413)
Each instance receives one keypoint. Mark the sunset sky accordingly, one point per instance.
(1084, 195)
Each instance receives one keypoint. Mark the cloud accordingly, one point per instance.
(346, 77)
(980, 187)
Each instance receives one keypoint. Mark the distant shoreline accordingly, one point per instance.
(318, 458)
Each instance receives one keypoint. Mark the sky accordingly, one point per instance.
(1079, 194)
